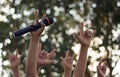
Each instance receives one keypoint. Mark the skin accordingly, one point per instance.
(43, 57)
(84, 39)
(67, 64)
(101, 69)
(31, 62)
(14, 63)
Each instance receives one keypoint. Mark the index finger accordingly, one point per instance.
(10, 55)
(43, 16)
(94, 31)
(73, 56)
(51, 53)
(36, 15)
(62, 58)
(16, 52)
(81, 27)
(67, 54)
(100, 62)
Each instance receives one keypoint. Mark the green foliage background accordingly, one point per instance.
(102, 15)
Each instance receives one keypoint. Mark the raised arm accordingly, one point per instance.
(31, 63)
(67, 64)
(14, 63)
(43, 57)
(84, 38)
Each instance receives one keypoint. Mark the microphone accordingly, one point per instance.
(46, 21)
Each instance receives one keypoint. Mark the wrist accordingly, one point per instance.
(34, 40)
(15, 69)
(85, 46)
(68, 70)
(34, 37)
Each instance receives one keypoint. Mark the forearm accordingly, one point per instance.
(81, 64)
(67, 73)
(37, 70)
(16, 72)
(31, 59)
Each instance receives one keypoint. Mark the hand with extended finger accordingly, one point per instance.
(37, 33)
(85, 36)
(31, 62)
(43, 57)
(101, 69)
(67, 61)
(14, 60)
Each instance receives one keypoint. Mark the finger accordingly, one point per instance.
(89, 33)
(69, 59)
(16, 52)
(104, 67)
(100, 62)
(99, 71)
(40, 30)
(94, 31)
(62, 58)
(73, 56)
(51, 61)
(44, 53)
(10, 55)
(33, 24)
(81, 27)
(104, 63)
(51, 53)
(67, 54)
(43, 16)
(76, 36)
(36, 15)
(42, 26)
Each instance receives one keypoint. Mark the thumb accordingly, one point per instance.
(40, 30)
(51, 61)
(76, 36)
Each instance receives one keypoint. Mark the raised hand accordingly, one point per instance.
(101, 69)
(14, 60)
(67, 61)
(85, 36)
(38, 32)
(67, 64)
(31, 62)
(14, 63)
(43, 57)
